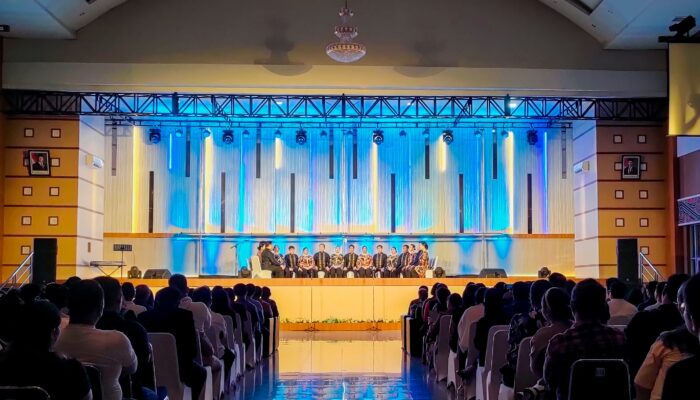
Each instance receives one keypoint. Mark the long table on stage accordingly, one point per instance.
(339, 303)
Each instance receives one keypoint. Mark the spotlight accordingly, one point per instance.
(278, 133)
(532, 137)
(178, 132)
(447, 136)
(206, 132)
(301, 137)
(683, 27)
(426, 132)
(227, 138)
(378, 136)
(154, 135)
(505, 133)
(324, 133)
(402, 133)
(246, 133)
(478, 133)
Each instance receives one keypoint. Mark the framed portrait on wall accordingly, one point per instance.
(631, 167)
(39, 163)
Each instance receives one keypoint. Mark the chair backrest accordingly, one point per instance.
(230, 336)
(471, 349)
(443, 340)
(599, 379)
(490, 343)
(23, 393)
(217, 338)
(165, 361)
(95, 378)
(238, 332)
(622, 320)
(497, 355)
(524, 378)
(255, 264)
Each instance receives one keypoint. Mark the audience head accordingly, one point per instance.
(537, 291)
(240, 290)
(588, 301)
(434, 289)
(480, 295)
(468, 295)
(257, 293)
(266, 292)
(609, 282)
(635, 296)
(179, 282)
(29, 292)
(423, 292)
(521, 291)
(691, 311)
(454, 302)
(493, 301)
(144, 296)
(38, 327)
(112, 293)
(202, 295)
(556, 305)
(650, 289)
(128, 291)
(617, 289)
(250, 289)
(660, 292)
(442, 294)
(85, 302)
(557, 280)
(167, 299)
(71, 281)
(219, 299)
(673, 284)
(57, 295)
(501, 286)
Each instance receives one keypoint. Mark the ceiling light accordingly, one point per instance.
(426, 132)
(447, 136)
(278, 133)
(324, 133)
(206, 132)
(402, 133)
(246, 133)
(345, 50)
(478, 133)
(532, 137)
(378, 136)
(504, 133)
(227, 138)
(154, 135)
(178, 132)
(301, 137)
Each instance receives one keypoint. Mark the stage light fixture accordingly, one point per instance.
(154, 135)
(683, 27)
(278, 133)
(227, 138)
(532, 137)
(507, 106)
(301, 137)
(402, 133)
(324, 133)
(178, 132)
(246, 133)
(447, 136)
(505, 133)
(206, 132)
(426, 132)
(378, 136)
(478, 133)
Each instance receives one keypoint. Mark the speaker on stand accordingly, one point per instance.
(44, 260)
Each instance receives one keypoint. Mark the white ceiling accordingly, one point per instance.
(617, 24)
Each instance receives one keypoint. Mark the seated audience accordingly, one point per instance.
(10, 306)
(109, 351)
(520, 303)
(635, 297)
(58, 296)
(29, 360)
(129, 292)
(112, 319)
(422, 296)
(29, 292)
(144, 297)
(670, 348)
(621, 311)
(454, 308)
(658, 296)
(200, 312)
(266, 307)
(215, 348)
(429, 303)
(649, 295)
(266, 295)
(493, 315)
(524, 325)
(680, 377)
(557, 312)
(557, 280)
(168, 317)
(441, 308)
(587, 338)
(470, 315)
(646, 326)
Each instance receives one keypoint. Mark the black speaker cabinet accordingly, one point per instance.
(493, 273)
(156, 274)
(628, 261)
(44, 261)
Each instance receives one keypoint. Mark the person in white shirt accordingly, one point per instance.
(128, 291)
(200, 311)
(109, 351)
(471, 314)
(621, 311)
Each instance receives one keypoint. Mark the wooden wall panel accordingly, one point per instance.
(42, 133)
(689, 171)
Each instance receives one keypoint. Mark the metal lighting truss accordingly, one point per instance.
(301, 108)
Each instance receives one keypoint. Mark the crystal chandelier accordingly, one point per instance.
(345, 50)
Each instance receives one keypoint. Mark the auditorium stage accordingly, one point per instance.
(339, 304)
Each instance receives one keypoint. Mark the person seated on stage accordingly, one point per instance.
(291, 263)
(392, 269)
(337, 262)
(364, 264)
(29, 361)
(128, 291)
(109, 351)
(266, 293)
(268, 261)
(350, 261)
(420, 262)
(379, 260)
(411, 262)
(168, 317)
(322, 259)
(144, 297)
(404, 260)
(279, 257)
(307, 269)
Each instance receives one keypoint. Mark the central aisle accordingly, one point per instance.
(340, 365)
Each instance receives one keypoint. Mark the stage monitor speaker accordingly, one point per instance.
(628, 261)
(44, 261)
(157, 274)
(493, 273)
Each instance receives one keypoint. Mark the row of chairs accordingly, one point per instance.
(486, 382)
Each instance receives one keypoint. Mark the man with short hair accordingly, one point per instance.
(128, 291)
(658, 295)
(649, 294)
(109, 351)
(268, 261)
(620, 309)
(322, 260)
(404, 260)
(291, 263)
(200, 312)
(588, 338)
(350, 260)
(379, 260)
(266, 293)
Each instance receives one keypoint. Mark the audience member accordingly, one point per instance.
(468, 295)
(144, 297)
(658, 296)
(422, 296)
(214, 346)
(200, 312)
(557, 280)
(680, 377)
(266, 295)
(588, 338)
(521, 300)
(493, 315)
(649, 295)
(429, 303)
(29, 360)
(109, 351)
(168, 317)
(454, 308)
(635, 297)
(440, 309)
(556, 309)
(470, 315)
(129, 292)
(621, 311)
(29, 292)
(267, 308)
(671, 347)
(10, 306)
(58, 296)
(646, 326)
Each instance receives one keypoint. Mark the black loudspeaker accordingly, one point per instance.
(493, 273)
(628, 261)
(157, 274)
(44, 261)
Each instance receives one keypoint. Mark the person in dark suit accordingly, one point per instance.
(322, 259)
(168, 317)
(291, 263)
(404, 260)
(630, 167)
(40, 164)
(269, 262)
(350, 260)
(379, 260)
